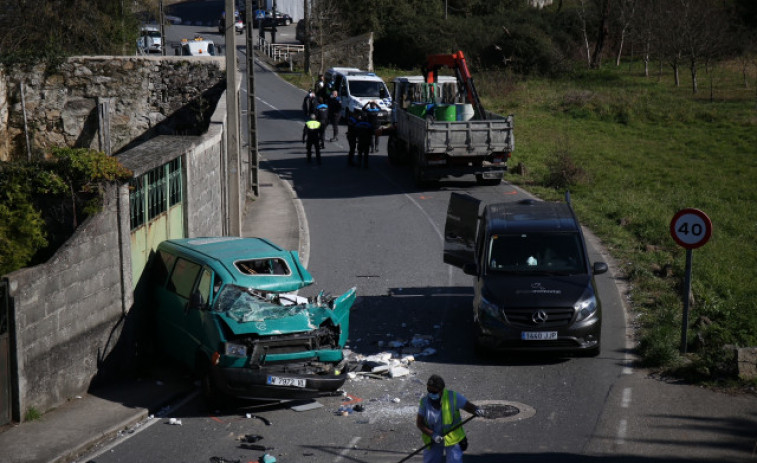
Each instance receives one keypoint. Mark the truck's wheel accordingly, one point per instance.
(213, 397)
(487, 181)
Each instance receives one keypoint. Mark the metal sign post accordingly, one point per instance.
(690, 228)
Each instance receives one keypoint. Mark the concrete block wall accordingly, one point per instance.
(66, 310)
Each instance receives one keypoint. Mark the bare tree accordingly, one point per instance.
(583, 17)
(626, 11)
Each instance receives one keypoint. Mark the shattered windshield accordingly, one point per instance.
(551, 253)
(247, 305)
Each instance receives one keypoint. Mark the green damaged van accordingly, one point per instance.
(227, 308)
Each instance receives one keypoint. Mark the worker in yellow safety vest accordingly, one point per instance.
(438, 414)
(312, 134)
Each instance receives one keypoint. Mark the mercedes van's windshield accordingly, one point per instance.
(368, 89)
(546, 253)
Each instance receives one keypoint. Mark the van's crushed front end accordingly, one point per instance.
(280, 346)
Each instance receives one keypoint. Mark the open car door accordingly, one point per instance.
(460, 230)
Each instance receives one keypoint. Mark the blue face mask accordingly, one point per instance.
(434, 396)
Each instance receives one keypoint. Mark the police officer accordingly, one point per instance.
(335, 112)
(365, 133)
(309, 103)
(322, 113)
(371, 110)
(438, 415)
(312, 133)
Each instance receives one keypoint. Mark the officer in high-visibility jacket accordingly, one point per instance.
(312, 134)
(438, 414)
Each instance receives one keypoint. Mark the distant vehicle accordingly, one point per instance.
(196, 47)
(150, 40)
(268, 21)
(356, 88)
(238, 23)
(226, 307)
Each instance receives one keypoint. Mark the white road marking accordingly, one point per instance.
(625, 402)
(622, 431)
(345, 451)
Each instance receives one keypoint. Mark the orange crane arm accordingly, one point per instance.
(457, 62)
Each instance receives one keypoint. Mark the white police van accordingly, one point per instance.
(356, 88)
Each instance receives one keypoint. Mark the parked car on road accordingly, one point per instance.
(227, 308)
(238, 24)
(150, 40)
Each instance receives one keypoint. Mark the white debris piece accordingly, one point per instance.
(174, 421)
(396, 372)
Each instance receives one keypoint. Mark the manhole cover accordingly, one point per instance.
(494, 411)
(504, 410)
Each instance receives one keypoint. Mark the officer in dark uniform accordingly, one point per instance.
(312, 134)
(335, 113)
(322, 113)
(371, 111)
(365, 134)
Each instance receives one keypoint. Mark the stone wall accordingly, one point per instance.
(355, 52)
(61, 102)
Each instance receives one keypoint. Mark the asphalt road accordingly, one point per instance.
(371, 228)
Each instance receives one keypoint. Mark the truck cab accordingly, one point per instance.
(150, 40)
(534, 287)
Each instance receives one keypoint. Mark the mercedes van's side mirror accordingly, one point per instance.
(470, 269)
(195, 302)
(599, 267)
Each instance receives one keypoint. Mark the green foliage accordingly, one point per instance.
(32, 414)
(42, 202)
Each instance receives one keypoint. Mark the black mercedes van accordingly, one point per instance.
(534, 286)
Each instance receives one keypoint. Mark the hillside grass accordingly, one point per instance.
(634, 150)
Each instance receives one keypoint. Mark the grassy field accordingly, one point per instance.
(634, 150)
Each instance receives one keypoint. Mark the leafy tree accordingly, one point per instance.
(42, 202)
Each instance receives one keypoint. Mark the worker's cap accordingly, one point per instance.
(436, 382)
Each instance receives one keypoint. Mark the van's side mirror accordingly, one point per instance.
(599, 267)
(470, 269)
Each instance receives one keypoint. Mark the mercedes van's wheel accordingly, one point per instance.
(480, 349)
(593, 352)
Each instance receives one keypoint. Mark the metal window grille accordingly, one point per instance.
(156, 192)
(136, 202)
(174, 182)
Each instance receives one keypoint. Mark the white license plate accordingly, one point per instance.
(538, 335)
(279, 381)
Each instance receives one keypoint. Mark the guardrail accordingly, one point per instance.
(279, 52)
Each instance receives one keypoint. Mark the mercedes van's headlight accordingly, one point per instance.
(235, 350)
(585, 307)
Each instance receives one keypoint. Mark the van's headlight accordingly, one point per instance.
(585, 307)
(235, 350)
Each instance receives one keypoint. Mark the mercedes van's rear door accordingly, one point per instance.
(460, 230)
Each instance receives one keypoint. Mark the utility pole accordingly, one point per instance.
(306, 18)
(252, 117)
(232, 126)
(274, 25)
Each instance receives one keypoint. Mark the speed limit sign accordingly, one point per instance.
(690, 228)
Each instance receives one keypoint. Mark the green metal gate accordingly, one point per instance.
(5, 355)
(156, 202)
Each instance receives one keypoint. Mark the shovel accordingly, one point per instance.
(449, 431)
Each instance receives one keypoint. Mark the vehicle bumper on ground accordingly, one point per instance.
(246, 383)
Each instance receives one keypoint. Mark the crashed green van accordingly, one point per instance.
(227, 308)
